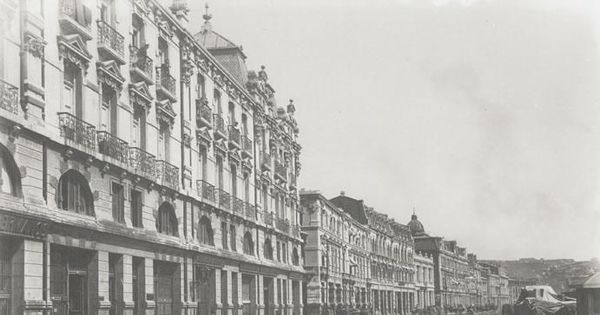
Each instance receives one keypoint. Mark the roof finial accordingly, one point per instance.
(414, 211)
(206, 27)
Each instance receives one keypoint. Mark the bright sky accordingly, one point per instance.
(483, 115)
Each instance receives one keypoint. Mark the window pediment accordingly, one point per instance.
(73, 48)
(165, 112)
(139, 95)
(109, 74)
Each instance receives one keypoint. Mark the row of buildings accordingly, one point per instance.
(146, 170)
(357, 259)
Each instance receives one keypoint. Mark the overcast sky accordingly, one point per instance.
(483, 115)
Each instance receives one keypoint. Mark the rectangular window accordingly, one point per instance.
(233, 181)
(219, 172)
(217, 101)
(139, 129)
(224, 235)
(136, 208)
(203, 162)
(118, 203)
(201, 87)
(232, 238)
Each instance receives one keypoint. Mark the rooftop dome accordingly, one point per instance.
(415, 226)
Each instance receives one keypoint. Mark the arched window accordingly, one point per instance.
(268, 249)
(295, 257)
(205, 232)
(248, 244)
(166, 223)
(74, 194)
(10, 179)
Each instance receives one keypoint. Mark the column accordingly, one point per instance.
(218, 291)
(229, 307)
(149, 283)
(127, 284)
(290, 297)
(102, 272)
(260, 306)
(240, 303)
(300, 298)
(28, 278)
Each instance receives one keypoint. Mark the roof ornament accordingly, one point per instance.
(206, 27)
(262, 74)
(291, 109)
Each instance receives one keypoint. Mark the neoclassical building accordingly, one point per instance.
(424, 284)
(140, 173)
(336, 258)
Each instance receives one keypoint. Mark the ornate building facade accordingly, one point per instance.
(139, 173)
(424, 285)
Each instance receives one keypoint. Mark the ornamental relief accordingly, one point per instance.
(34, 45)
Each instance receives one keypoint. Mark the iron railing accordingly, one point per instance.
(282, 224)
(139, 59)
(266, 160)
(268, 218)
(206, 190)
(237, 205)
(203, 113)
(109, 37)
(70, 8)
(234, 135)
(9, 97)
(224, 199)
(247, 145)
(280, 170)
(165, 80)
(77, 131)
(167, 174)
(250, 211)
(113, 146)
(219, 124)
(142, 162)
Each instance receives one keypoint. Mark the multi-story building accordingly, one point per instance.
(391, 247)
(498, 284)
(336, 258)
(424, 284)
(140, 173)
(451, 266)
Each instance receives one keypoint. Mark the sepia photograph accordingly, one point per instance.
(299, 157)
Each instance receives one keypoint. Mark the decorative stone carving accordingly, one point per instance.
(34, 44)
(73, 48)
(139, 95)
(109, 74)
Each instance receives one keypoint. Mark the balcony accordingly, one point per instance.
(77, 132)
(203, 113)
(142, 162)
(165, 83)
(295, 231)
(250, 211)
(206, 190)
(224, 199)
(266, 161)
(74, 17)
(247, 148)
(235, 137)
(140, 64)
(220, 131)
(9, 97)
(269, 218)
(113, 147)
(237, 206)
(280, 170)
(110, 43)
(167, 174)
(282, 225)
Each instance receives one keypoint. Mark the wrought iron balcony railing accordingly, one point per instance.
(268, 217)
(220, 125)
(76, 131)
(224, 199)
(247, 145)
(203, 113)
(280, 170)
(250, 211)
(113, 146)
(142, 162)
(9, 97)
(165, 81)
(108, 37)
(266, 161)
(282, 224)
(139, 60)
(206, 190)
(234, 136)
(167, 174)
(237, 205)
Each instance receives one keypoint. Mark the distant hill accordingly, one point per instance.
(558, 273)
